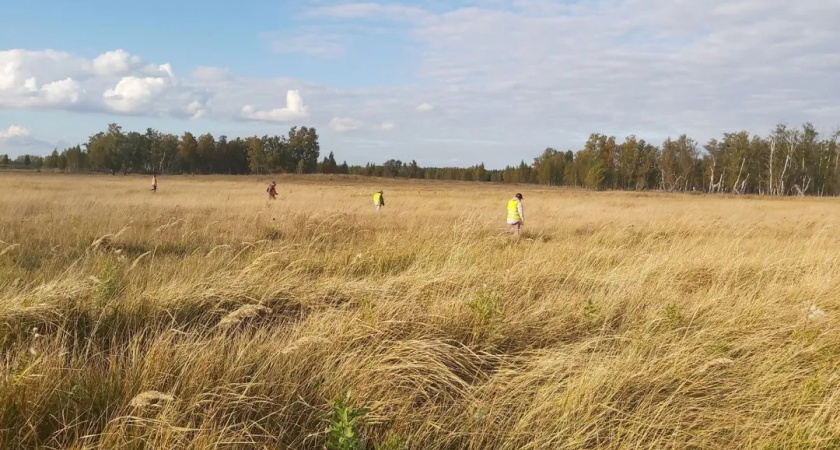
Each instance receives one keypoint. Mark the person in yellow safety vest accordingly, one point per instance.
(378, 200)
(515, 214)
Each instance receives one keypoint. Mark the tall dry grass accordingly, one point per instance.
(205, 316)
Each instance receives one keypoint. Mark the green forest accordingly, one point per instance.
(787, 161)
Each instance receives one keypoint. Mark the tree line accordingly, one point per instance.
(115, 151)
(788, 161)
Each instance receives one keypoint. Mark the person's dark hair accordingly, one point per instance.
(519, 196)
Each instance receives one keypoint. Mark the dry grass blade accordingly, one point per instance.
(9, 248)
(304, 342)
(715, 363)
(107, 239)
(150, 399)
(137, 260)
(240, 314)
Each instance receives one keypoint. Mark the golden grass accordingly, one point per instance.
(619, 320)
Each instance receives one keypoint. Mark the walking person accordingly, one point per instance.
(154, 183)
(272, 191)
(515, 214)
(378, 200)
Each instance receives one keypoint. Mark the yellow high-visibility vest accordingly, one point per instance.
(513, 210)
(377, 199)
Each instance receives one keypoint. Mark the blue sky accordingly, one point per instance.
(441, 82)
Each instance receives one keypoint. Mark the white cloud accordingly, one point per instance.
(425, 107)
(18, 140)
(343, 124)
(294, 110)
(163, 70)
(115, 62)
(21, 71)
(114, 81)
(387, 126)
(53, 94)
(14, 131)
(30, 85)
(132, 94)
(17, 67)
(8, 74)
(118, 82)
(62, 91)
(196, 109)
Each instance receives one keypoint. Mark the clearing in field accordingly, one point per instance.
(206, 316)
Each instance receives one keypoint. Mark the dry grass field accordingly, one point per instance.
(205, 316)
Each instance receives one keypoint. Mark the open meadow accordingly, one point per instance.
(206, 316)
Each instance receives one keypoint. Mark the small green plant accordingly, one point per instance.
(720, 347)
(794, 437)
(673, 315)
(487, 306)
(814, 387)
(342, 432)
(106, 284)
(805, 336)
(590, 310)
(392, 442)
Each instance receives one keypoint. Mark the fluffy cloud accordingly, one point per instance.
(118, 82)
(13, 131)
(163, 70)
(116, 62)
(132, 94)
(31, 79)
(19, 66)
(294, 110)
(343, 124)
(387, 126)
(425, 107)
(17, 140)
(114, 81)
(196, 109)
(61, 92)
(53, 94)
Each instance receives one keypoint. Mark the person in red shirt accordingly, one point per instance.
(272, 191)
